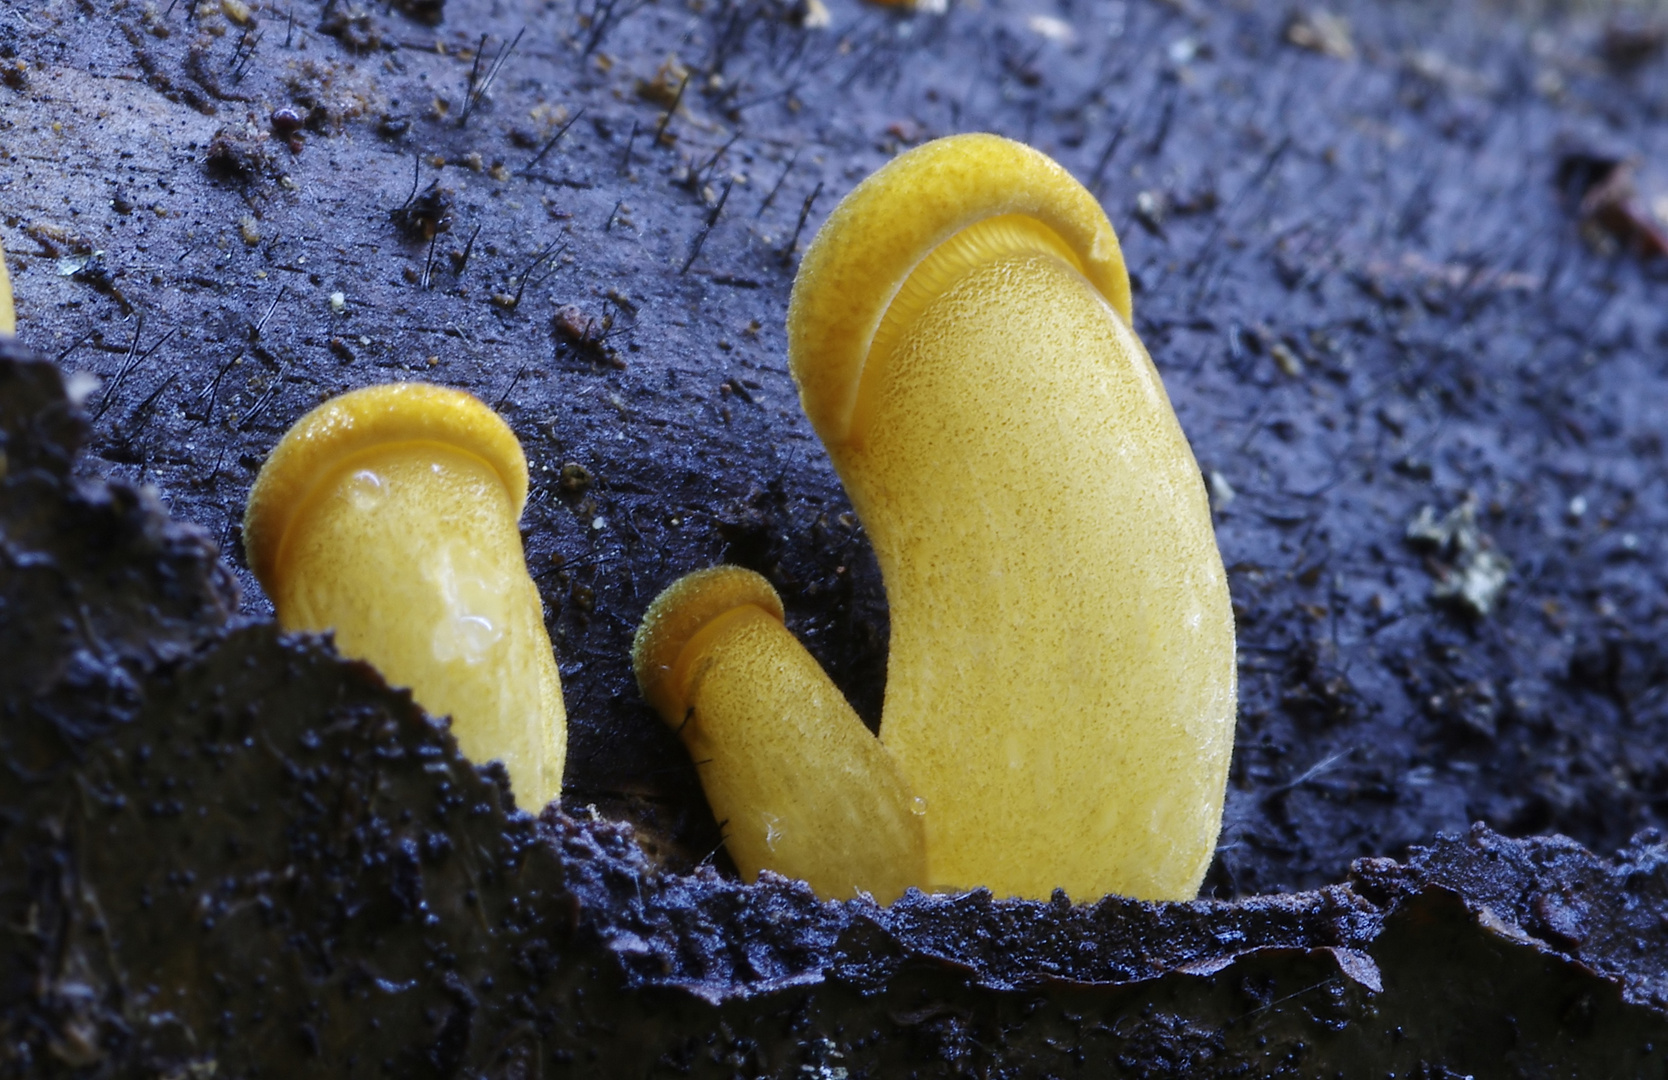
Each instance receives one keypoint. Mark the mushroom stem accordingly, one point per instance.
(8, 313)
(389, 515)
(801, 786)
(1061, 678)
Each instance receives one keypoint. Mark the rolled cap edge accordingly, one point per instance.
(677, 615)
(360, 420)
(894, 219)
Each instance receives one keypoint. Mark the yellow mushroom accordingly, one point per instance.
(389, 515)
(8, 314)
(800, 785)
(1061, 678)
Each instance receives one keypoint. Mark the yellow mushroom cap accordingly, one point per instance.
(8, 314)
(677, 615)
(375, 417)
(910, 206)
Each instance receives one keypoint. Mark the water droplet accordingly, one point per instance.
(467, 637)
(918, 806)
(476, 633)
(365, 490)
(473, 596)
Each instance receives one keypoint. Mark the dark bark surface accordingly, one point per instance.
(231, 853)
(1362, 273)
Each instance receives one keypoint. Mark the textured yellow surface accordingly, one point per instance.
(389, 515)
(8, 315)
(800, 785)
(891, 221)
(1061, 681)
(677, 615)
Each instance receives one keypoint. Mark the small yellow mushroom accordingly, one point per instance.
(1061, 678)
(8, 314)
(389, 515)
(800, 784)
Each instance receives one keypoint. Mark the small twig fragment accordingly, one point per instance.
(712, 219)
(263, 401)
(476, 93)
(131, 364)
(703, 173)
(770, 197)
(554, 139)
(804, 212)
(459, 261)
(498, 405)
(428, 261)
(255, 331)
(510, 303)
(660, 130)
(196, 411)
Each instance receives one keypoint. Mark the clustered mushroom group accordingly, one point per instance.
(1060, 691)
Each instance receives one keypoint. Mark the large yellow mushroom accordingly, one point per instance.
(1061, 682)
(8, 314)
(389, 515)
(800, 785)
